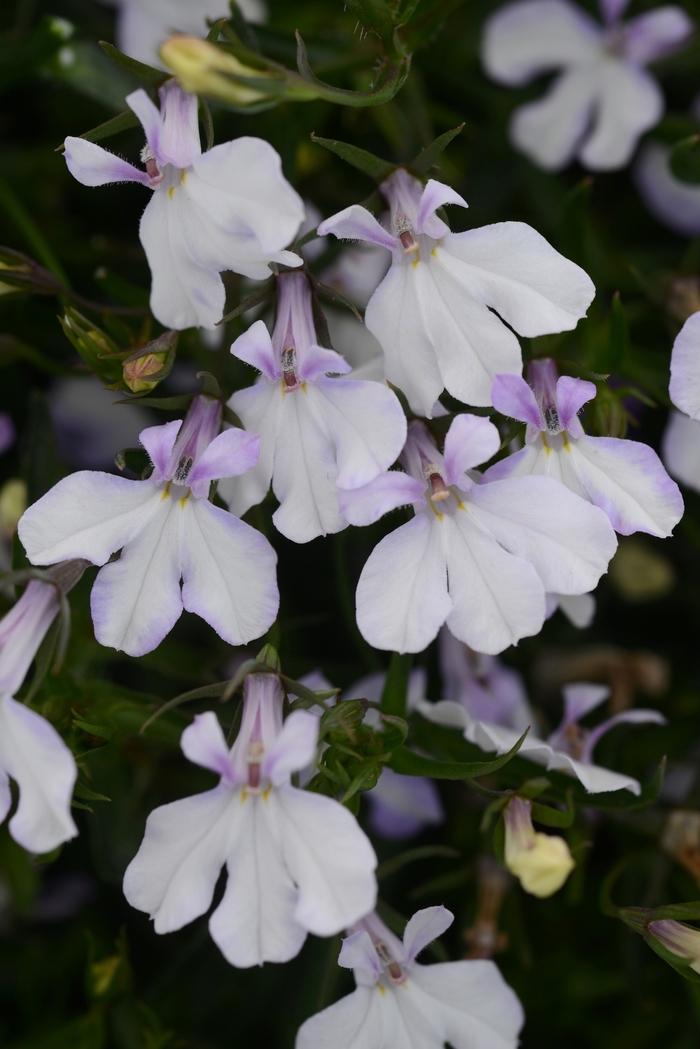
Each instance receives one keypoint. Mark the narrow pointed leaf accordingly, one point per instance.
(410, 764)
(428, 157)
(374, 167)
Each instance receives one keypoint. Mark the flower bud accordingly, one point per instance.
(202, 69)
(541, 862)
(681, 940)
(136, 371)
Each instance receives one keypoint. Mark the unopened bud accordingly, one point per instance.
(202, 69)
(136, 371)
(540, 862)
(681, 940)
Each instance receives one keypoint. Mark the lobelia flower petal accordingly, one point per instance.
(355, 1022)
(22, 631)
(474, 1006)
(656, 34)
(497, 598)
(424, 927)
(594, 778)
(203, 743)
(87, 514)
(178, 136)
(629, 102)
(434, 196)
(330, 859)
(305, 472)
(470, 441)
(358, 952)
(394, 317)
(674, 203)
(365, 423)
(136, 600)
(401, 806)
(680, 448)
(356, 223)
(92, 165)
(259, 409)
(514, 397)
(388, 491)
(184, 294)
(228, 573)
(240, 185)
(35, 756)
(684, 387)
(571, 396)
(516, 272)
(631, 717)
(613, 10)
(549, 130)
(580, 698)
(5, 795)
(579, 609)
(158, 442)
(316, 361)
(627, 480)
(151, 121)
(173, 875)
(522, 40)
(294, 748)
(230, 454)
(568, 542)
(255, 921)
(402, 599)
(254, 347)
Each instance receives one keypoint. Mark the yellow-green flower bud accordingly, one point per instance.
(540, 862)
(201, 68)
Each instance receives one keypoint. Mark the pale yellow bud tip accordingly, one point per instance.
(13, 503)
(542, 868)
(201, 68)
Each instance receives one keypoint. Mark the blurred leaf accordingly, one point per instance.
(136, 69)
(20, 59)
(421, 852)
(685, 159)
(395, 689)
(409, 764)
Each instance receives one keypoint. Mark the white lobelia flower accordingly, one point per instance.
(297, 862)
(603, 99)
(624, 478)
(579, 609)
(317, 434)
(476, 556)
(166, 529)
(401, 1004)
(684, 387)
(569, 748)
(228, 209)
(435, 311)
(143, 25)
(31, 751)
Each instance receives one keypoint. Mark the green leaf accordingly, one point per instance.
(370, 165)
(166, 404)
(421, 852)
(92, 728)
(258, 296)
(205, 692)
(111, 127)
(389, 81)
(685, 159)
(410, 764)
(86, 794)
(550, 817)
(137, 69)
(427, 158)
(395, 688)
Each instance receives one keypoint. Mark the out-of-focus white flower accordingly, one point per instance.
(604, 98)
(228, 209)
(143, 25)
(673, 202)
(434, 313)
(680, 449)
(684, 387)
(297, 861)
(400, 1004)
